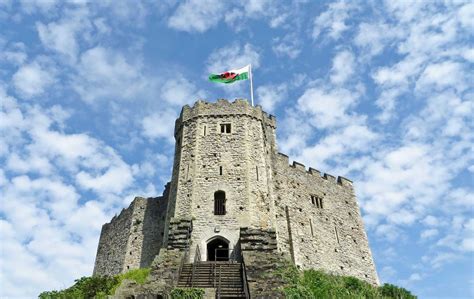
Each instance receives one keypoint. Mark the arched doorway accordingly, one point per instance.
(218, 250)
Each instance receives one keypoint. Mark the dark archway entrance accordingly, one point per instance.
(218, 250)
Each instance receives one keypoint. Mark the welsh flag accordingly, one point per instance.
(231, 76)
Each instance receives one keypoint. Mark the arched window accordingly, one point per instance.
(219, 203)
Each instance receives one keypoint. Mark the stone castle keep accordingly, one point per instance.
(234, 198)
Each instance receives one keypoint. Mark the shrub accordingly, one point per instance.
(317, 284)
(96, 286)
(392, 291)
(187, 293)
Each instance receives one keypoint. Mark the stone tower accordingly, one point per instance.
(232, 195)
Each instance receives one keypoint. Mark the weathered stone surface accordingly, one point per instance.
(133, 238)
(274, 211)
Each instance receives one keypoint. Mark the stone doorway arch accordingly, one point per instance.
(218, 249)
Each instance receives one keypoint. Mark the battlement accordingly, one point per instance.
(297, 166)
(223, 107)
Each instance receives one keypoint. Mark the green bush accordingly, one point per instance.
(96, 286)
(317, 284)
(392, 291)
(187, 293)
(85, 287)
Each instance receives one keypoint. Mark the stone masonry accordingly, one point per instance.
(226, 153)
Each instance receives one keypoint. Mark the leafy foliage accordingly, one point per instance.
(317, 284)
(85, 287)
(187, 293)
(96, 286)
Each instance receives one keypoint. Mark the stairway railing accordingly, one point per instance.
(197, 259)
(244, 279)
(183, 260)
(218, 293)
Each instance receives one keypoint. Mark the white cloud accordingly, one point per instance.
(200, 16)
(194, 15)
(332, 21)
(328, 107)
(342, 67)
(373, 38)
(160, 125)
(105, 74)
(62, 36)
(269, 96)
(179, 91)
(14, 53)
(442, 75)
(33, 79)
(429, 233)
(233, 56)
(338, 146)
(289, 45)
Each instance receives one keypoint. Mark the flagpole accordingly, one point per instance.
(251, 83)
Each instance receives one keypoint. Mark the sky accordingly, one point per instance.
(379, 92)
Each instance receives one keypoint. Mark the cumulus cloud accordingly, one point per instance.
(233, 56)
(200, 16)
(328, 107)
(62, 36)
(196, 15)
(332, 21)
(269, 96)
(48, 225)
(33, 79)
(104, 73)
(289, 45)
(342, 67)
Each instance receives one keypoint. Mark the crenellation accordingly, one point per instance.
(314, 172)
(230, 183)
(298, 166)
(329, 177)
(344, 182)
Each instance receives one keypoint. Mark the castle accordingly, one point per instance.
(233, 196)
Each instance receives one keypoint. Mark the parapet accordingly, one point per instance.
(223, 107)
(283, 159)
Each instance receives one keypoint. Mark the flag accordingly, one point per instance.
(231, 76)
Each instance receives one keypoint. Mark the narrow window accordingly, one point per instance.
(256, 170)
(225, 128)
(337, 235)
(311, 226)
(220, 170)
(205, 127)
(317, 201)
(219, 203)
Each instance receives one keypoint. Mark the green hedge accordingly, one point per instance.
(96, 286)
(317, 284)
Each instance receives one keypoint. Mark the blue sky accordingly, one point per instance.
(379, 92)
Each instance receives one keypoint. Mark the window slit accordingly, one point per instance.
(256, 170)
(311, 226)
(220, 170)
(337, 235)
(205, 127)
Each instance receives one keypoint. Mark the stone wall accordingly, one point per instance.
(262, 262)
(236, 163)
(314, 219)
(164, 274)
(319, 223)
(133, 238)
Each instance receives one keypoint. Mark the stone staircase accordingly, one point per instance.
(225, 277)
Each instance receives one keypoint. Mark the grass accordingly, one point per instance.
(317, 284)
(97, 286)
